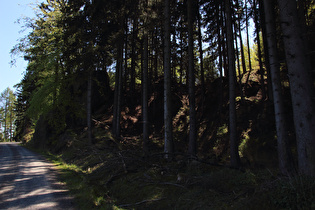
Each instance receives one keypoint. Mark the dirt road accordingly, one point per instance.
(27, 181)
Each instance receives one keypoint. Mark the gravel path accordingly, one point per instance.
(27, 181)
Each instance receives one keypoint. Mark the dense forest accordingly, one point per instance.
(177, 80)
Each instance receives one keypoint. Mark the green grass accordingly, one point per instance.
(76, 179)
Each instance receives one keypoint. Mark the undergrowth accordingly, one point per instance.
(124, 179)
(115, 174)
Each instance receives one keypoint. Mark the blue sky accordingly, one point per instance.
(10, 32)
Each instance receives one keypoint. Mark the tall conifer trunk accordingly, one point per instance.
(5, 119)
(301, 86)
(133, 55)
(11, 121)
(191, 82)
(126, 39)
(220, 54)
(248, 44)
(145, 89)
(238, 61)
(118, 84)
(239, 22)
(284, 155)
(242, 49)
(235, 159)
(202, 72)
(89, 106)
(261, 69)
(168, 136)
(269, 92)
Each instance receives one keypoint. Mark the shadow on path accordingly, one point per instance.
(27, 181)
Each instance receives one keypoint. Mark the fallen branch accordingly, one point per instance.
(167, 183)
(141, 202)
(173, 184)
(123, 161)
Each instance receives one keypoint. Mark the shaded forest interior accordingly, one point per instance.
(255, 117)
(117, 173)
(155, 104)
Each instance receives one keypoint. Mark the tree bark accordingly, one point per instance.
(191, 82)
(224, 43)
(181, 65)
(269, 92)
(127, 70)
(89, 106)
(202, 73)
(248, 44)
(220, 35)
(118, 86)
(261, 69)
(145, 117)
(242, 56)
(235, 159)
(11, 121)
(5, 119)
(168, 136)
(133, 55)
(284, 155)
(238, 62)
(301, 86)
(156, 55)
(242, 45)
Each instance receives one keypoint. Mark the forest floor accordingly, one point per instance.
(116, 174)
(104, 176)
